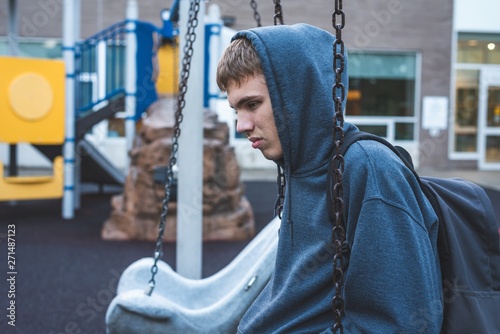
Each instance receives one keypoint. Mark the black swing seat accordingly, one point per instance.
(180, 305)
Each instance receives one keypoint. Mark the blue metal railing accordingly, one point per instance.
(99, 67)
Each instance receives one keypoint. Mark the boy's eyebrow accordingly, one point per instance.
(244, 100)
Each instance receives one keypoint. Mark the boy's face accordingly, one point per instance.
(252, 103)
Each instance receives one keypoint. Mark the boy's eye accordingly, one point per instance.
(253, 105)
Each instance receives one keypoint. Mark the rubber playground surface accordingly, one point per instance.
(66, 276)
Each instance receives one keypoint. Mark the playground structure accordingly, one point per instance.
(94, 88)
(89, 86)
(32, 112)
(120, 70)
(115, 71)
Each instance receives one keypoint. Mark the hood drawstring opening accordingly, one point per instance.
(280, 200)
(278, 205)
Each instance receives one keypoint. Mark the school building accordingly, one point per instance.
(425, 74)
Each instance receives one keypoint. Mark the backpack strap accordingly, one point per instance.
(352, 137)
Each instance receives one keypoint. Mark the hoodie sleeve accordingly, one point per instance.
(392, 283)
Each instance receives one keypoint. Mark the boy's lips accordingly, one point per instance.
(255, 141)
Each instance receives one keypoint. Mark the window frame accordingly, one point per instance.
(390, 121)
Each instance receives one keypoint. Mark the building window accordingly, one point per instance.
(493, 149)
(476, 53)
(493, 109)
(466, 110)
(381, 96)
(478, 48)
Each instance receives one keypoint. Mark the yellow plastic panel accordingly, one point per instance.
(32, 100)
(31, 96)
(167, 82)
(17, 188)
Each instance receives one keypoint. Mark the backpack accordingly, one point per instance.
(468, 246)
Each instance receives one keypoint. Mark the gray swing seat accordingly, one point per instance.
(180, 305)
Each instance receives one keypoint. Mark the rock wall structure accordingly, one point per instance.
(227, 214)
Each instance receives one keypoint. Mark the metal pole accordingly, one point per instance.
(132, 14)
(13, 51)
(214, 22)
(190, 159)
(78, 164)
(12, 28)
(69, 140)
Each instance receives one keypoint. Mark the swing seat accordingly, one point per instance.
(180, 305)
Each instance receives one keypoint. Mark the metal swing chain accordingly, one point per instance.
(338, 231)
(256, 14)
(278, 13)
(186, 65)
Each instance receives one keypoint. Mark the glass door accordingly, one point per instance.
(489, 118)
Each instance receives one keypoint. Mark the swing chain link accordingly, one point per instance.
(256, 14)
(278, 13)
(338, 230)
(181, 102)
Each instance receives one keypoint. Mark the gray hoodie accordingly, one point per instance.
(392, 282)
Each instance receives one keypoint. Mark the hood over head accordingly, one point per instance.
(297, 62)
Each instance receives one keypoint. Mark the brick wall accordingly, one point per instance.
(424, 26)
